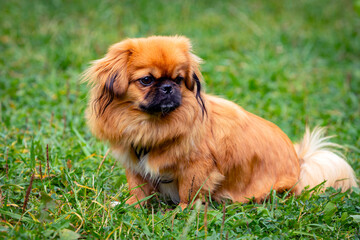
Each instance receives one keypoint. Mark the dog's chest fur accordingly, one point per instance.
(164, 182)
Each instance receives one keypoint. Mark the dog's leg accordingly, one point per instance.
(139, 188)
(189, 183)
(195, 177)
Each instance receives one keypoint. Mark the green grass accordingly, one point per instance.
(291, 62)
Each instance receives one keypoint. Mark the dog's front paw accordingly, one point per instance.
(132, 200)
(183, 206)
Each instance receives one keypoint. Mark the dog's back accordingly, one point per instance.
(257, 156)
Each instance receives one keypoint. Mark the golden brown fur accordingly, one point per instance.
(207, 142)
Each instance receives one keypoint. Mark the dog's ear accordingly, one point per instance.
(110, 71)
(194, 62)
(108, 75)
(194, 71)
(194, 79)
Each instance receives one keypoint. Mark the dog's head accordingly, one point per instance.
(150, 73)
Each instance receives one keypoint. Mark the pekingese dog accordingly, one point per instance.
(146, 101)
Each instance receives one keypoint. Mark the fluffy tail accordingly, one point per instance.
(320, 161)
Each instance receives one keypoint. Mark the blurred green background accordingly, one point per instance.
(290, 62)
(295, 63)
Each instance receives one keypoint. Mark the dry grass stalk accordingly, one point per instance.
(40, 170)
(47, 160)
(191, 189)
(28, 191)
(205, 217)
(103, 160)
(6, 163)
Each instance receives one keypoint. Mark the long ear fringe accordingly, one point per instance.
(195, 62)
(107, 76)
(105, 98)
(198, 95)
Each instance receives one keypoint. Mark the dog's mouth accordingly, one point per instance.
(163, 108)
(169, 107)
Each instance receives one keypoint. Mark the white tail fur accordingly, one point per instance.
(320, 161)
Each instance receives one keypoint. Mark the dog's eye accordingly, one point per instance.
(179, 79)
(146, 81)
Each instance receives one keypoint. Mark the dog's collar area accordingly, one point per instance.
(140, 152)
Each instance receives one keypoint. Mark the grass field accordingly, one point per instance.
(291, 62)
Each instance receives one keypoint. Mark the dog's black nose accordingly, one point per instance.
(167, 89)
